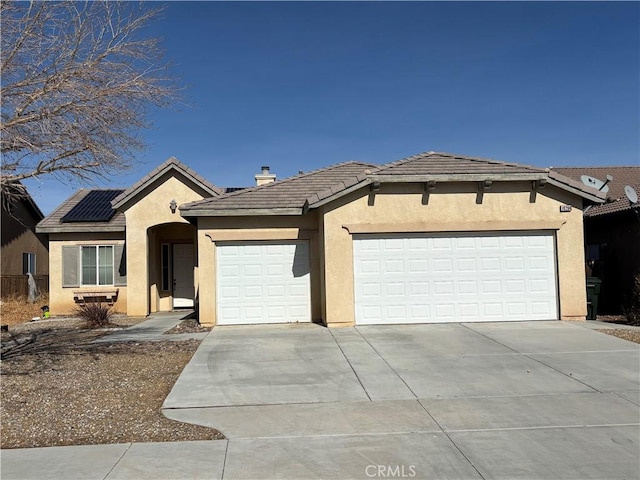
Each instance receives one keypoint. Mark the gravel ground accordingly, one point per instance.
(188, 326)
(60, 389)
(631, 335)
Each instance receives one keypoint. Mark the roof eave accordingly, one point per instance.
(581, 193)
(79, 229)
(457, 177)
(240, 212)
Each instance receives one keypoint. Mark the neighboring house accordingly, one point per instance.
(23, 250)
(431, 238)
(612, 234)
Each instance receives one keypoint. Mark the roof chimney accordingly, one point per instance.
(265, 176)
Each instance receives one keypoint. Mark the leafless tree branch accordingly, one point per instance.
(77, 82)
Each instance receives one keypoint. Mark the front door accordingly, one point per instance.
(183, 289)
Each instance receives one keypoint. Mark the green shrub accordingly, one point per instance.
(632, 308)
(95, 314)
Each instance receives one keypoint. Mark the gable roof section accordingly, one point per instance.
(447, 167)
(53, 223)
(284, 197)
(172, 164)
(616, 201)
(450, 165)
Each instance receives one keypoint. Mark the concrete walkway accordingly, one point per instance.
(533, 400)
(152, 329)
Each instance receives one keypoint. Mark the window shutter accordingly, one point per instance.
(70, 256)
(25, 263)
(120, 265)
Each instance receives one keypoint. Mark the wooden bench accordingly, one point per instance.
(84, 296)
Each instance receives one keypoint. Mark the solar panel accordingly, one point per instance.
(94, 207)
(234, 189)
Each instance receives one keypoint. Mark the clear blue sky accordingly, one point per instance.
(299, 86)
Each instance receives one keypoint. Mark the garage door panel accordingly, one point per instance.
(468, 277)
(263, 282)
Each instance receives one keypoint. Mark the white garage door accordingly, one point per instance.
(263, 282)
(419, 278)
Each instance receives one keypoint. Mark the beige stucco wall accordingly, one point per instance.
(151, 208)
(61, 298)
(450, 207)
(225, 229)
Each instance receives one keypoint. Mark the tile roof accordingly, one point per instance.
(169, 164)
(313, 189)
(440, 163)
(52, 222)
(289, 194)
(616, 199)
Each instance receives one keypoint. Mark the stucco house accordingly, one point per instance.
(434, 237)
(23, 250)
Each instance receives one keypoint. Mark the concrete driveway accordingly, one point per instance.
(484, 400)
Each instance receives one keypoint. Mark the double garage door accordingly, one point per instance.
(419, 278)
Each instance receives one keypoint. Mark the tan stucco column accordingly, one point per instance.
(137, 272)
(206, 280)
(338, 278)
(571, 270)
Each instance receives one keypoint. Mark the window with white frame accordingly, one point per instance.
(97, 265)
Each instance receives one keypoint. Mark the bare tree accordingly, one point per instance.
(77, 82)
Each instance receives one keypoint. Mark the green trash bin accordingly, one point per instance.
(593, 292)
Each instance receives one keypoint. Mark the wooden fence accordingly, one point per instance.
(18, 286)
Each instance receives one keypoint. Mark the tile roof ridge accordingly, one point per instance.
(431, 153)
(404, 160)
(596, 168)
(168, 163)
(500, 162)
(293, 177)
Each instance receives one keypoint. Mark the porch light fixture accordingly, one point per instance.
(173, 205)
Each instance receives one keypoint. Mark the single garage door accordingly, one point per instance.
(263, 282)
(476, 277)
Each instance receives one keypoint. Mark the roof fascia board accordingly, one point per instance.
(239, 212)
(456, 177)
(569, 188)
(82, 229)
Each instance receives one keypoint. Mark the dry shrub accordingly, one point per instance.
(16, 310)
(95, 314)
